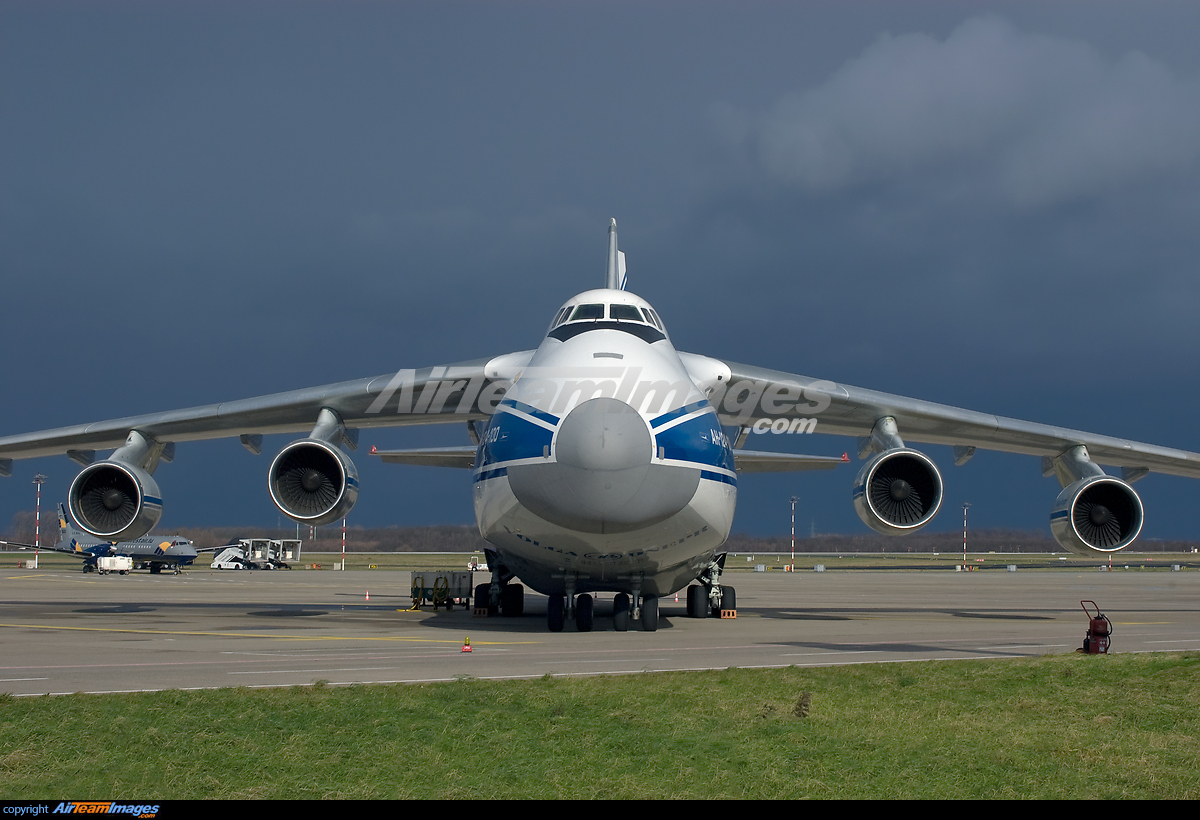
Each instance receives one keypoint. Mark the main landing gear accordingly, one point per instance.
(584, 613)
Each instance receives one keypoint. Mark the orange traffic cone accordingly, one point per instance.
(368, 594)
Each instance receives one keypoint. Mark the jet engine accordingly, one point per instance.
(313, 482)
(115, 501)
(898, 491)
(1097, 514)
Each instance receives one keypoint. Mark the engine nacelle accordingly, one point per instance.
(1097, 514)
(898, 492)
(313, 482)
(115, 501)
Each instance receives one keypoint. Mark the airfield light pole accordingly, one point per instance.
(39, 480)
(793, 566)
(966, 506)
(343, 544)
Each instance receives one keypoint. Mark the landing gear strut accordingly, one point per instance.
(710, 594)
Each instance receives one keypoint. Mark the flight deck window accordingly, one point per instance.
(562, 314)
(588, 312)
(626, 313)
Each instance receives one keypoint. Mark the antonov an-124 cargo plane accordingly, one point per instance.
(604, 460)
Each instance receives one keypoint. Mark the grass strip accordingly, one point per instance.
(1070, 726)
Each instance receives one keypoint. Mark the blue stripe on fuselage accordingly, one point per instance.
(510, 437)
(678, 413)
(530, 410)
(698, 440)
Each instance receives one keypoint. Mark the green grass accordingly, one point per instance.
(1050, 727)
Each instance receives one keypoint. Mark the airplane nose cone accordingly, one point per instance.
(603, 479)
(604, 434)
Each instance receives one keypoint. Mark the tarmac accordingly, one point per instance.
(65, 632)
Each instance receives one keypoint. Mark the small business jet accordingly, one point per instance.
(605, 459)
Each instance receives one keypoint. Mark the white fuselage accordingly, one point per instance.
(605, 467)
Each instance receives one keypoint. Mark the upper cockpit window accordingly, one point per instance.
(626, 313)
(562, 314)
(588, 312)
(653, 319)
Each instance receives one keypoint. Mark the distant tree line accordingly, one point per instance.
(463, 538)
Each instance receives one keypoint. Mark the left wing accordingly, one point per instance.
(430, 395)
(462, 457)
(312, 480)
(78, 553)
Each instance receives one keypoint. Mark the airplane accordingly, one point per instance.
(152, 552)
(604, 460)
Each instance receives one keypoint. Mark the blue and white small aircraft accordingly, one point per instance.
(604, 459)
(151, 552)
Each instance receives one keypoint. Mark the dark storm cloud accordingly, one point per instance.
(928, 176)
(206, 201)
(1043, 120)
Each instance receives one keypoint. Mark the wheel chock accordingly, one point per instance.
(728, 614)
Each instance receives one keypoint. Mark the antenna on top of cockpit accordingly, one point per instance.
(615, 280)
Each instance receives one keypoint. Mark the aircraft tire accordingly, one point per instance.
(583, 613)
(697, 601)
(649, 614)
(512, 600)
(621, 612)
(555, 613)
(728, 600)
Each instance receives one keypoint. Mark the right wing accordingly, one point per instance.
(757, 394)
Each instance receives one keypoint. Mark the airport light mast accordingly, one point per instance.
(38, 480)
(966, 506)
(793, 564)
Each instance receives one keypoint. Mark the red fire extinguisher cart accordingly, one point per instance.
(1099, 634)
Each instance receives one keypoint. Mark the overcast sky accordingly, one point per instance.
(993, 206)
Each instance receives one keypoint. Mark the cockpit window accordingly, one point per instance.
(658, 321)
(626, 313)
(562, 314)
(588, 312)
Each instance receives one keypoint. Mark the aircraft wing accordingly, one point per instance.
(752, 461)
(76, 553)
(462, 457)
(756, 394)
(430, 395)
